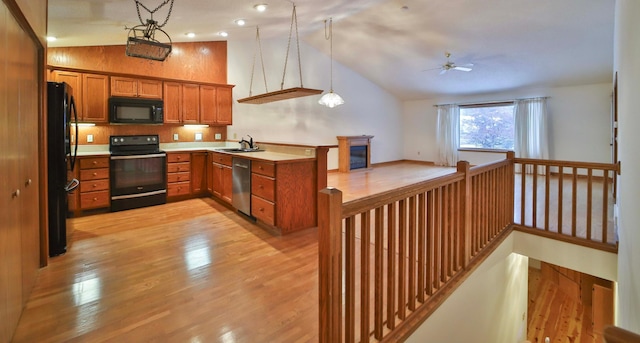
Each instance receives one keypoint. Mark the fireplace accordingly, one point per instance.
(354, 153)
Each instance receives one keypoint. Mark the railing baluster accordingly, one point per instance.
(412, 254)
(378, 277)
(547, 185)
(422, 227)
(605, 206)
(560, 197)
(350, 279)
(437, 213)
(391, 265)
(523, 192)
(445, 233)
(534, 196)
(574, 201)
(402, 258)
(430, 241)
(365, 285)
(589, 201)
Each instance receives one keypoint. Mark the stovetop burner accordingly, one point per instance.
(134, 144)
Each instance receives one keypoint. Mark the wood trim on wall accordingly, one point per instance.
(197, 61)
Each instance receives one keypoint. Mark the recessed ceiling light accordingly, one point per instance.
(240, 22)
(260, 7)
(190, 34)
(51, 39)
(223, 34)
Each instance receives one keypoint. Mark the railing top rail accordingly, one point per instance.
(479, 169)
(571, 164)
(370, 202)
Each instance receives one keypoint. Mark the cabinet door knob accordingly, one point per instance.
(15, 194)
(94, 162)
(261, 209)
(95, 174)
(95, 199)
(28, 182)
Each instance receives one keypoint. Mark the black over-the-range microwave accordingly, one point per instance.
(135, 111)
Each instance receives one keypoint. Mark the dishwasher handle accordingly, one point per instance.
(241, 165)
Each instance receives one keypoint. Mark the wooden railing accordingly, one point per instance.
(569, 201)
(395, 256)
(613, 334)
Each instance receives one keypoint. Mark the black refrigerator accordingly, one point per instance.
(61, 157)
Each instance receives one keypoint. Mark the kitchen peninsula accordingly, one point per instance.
(285, 179)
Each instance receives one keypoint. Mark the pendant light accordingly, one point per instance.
(330, 99)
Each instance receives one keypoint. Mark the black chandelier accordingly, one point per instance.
(144, 39)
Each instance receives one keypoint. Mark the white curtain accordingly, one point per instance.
(448, 135)
(531, 128)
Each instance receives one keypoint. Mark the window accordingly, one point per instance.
(489, 126)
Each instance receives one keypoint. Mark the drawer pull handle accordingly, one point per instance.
(94, 185)
(261, 209)
(261, 187)
(95, 174)
(95, 199)
(94, 162)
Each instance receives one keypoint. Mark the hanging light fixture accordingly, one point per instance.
(142, 41)
(330, 99)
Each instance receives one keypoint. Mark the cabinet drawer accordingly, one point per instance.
(263, 210)
(268, 169)
(98, 162)
(94, 174)
(94, 199)
(178, 188)
(182, 157)
(263, 186)
(219, 158)
(178, 177)
(94, 185)
(178, 167)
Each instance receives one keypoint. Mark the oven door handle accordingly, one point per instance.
(131, 157)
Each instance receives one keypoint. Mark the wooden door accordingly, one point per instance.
(208, 108)
(198, 172)
(602, 308)
(190, 103)
(124, 86)
(217, 180)
(74, 80)
(150, 89)
(227, 183)
(172, 102)
(95, 95)
(209, 171)
(225, 103)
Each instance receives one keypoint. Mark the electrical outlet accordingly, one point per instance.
(89, 138)
(235, 135)
(198, 136)
(307, 152)
(175, 136)
(218, 136)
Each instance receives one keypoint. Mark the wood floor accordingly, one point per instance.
(192, 271)
(555, 314)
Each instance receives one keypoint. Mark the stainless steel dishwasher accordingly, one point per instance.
(242, 185)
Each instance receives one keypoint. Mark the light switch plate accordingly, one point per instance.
(175, 136)
(89, 138)
(198, 136)
(218, 136)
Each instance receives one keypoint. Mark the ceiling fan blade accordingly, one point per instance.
(462, 68)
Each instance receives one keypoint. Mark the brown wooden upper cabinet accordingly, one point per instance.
(90, 92)
(136, 88)
(181, 103)
(215, 105)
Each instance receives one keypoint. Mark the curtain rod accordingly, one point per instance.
(493, 101)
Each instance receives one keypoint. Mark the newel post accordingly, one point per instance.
(329, 264)
(465, 167)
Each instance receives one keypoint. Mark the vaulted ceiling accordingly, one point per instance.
(397, 44)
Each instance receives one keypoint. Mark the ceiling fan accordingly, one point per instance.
(449, 65)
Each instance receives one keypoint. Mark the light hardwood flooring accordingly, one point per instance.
(192, 271)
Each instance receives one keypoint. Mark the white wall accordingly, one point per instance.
(579, 123)
(626, 57)
(368, 109)
(490, 306)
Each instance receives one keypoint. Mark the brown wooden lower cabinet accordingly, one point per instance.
(198, 173)
(220, 176)
(178, 175)
(283, 195)
(94, 182)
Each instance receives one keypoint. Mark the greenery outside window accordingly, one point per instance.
(487, 126)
